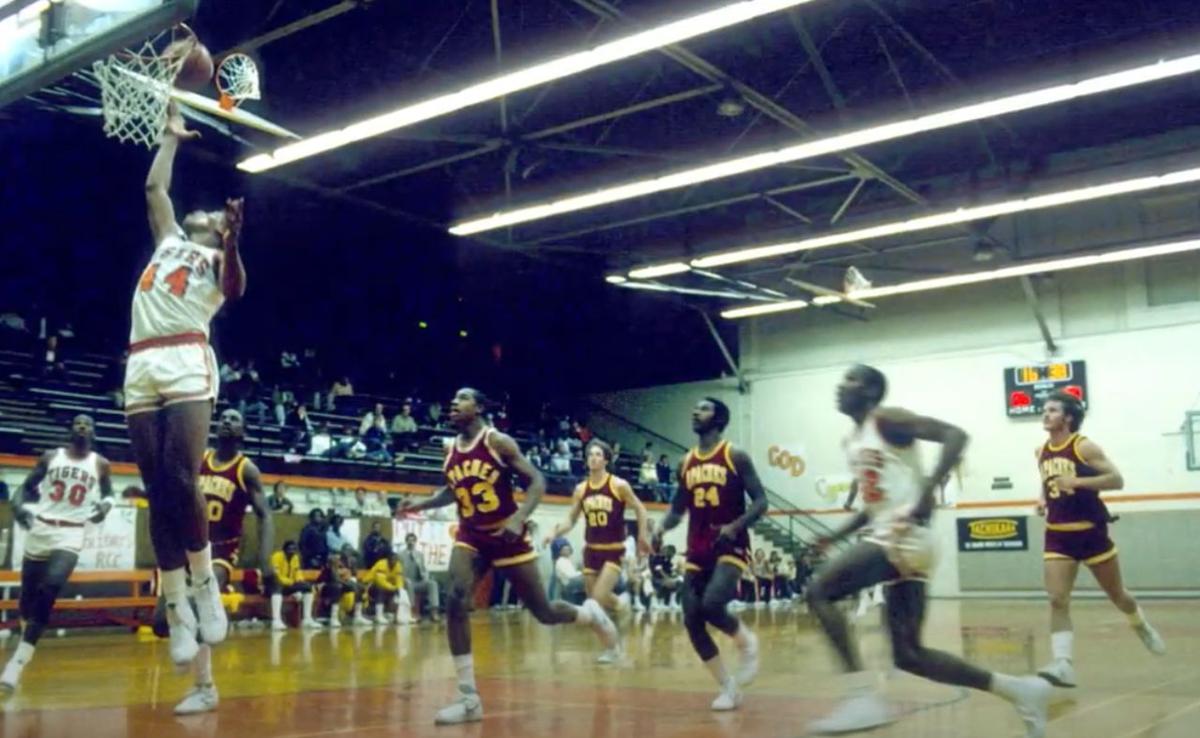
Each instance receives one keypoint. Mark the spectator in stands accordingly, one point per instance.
(780, 577)
(231, 372)
(435, 414)
(340, 589)
(322, 442)
(115, 378)
(535, 457)
(375, 546)
(301, 428)
(664, 577)
(417, 579)
(289, 368)
(666, 479)
(764, 573)
(387, 590)
(341, 388)
(376, 440)
(278, 500)
(582, 432)
(333, 536)
(371, 418)
(404, 426)
(288, 582)
(570, 579)
(314, 548)
(252, 401)
(648, 474)
(347, 446)
(560, 461)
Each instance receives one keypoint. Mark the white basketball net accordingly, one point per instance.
(135, 89)
(237, 78)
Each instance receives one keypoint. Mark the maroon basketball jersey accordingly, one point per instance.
(481, 482)
(225, 496)
(1081, 505)
(604, 514)
(716, 496)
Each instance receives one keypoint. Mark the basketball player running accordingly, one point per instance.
(479, 467)
(171, 384)
(1074, 471)
(885, 461)
(230, 482)
(601, 499)
(714, 481)
(72, 486)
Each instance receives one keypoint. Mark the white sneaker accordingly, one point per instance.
(1059, 672)
(210, 613)
(861, 712)
(602, 624)
(729, 699)
(748, 660)
(1032, 697)
(182, 623)
(311, 624)
(335, 624)
(278, 625)
(11, 677)
(362, 621)
(609, 656)
(200, 699)
(1151, 639)
(466, 709)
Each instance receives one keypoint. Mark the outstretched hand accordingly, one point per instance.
(234, 209)
(176, 126)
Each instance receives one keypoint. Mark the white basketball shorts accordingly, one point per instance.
(167, 371)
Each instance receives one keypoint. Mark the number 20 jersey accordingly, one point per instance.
(716, 496)
(889, 477)
(178, 292)
(481, 482)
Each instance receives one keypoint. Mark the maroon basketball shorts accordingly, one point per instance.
(704, 558)
(496, 550)
(1088, 545)
(598, 556)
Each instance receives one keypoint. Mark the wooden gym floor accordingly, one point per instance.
(537, 681)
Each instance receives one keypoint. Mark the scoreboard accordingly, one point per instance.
(1027, 387)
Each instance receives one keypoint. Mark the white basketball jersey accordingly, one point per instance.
(889, 477)
(178, 292)
(70, 488)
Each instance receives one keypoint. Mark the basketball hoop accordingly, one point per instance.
(237, 80)
(135, 88)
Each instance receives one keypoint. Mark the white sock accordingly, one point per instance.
(583, 615)
(742, 636)
(716, 667)
(1005, 686)
(465, 666)
(1061, 643)
(306, 601)
(1137, 618)
(174, 585)
(200, 562)
(358, 609)
(203, 664)
(24, 653)
(379, 611)
(277, 608)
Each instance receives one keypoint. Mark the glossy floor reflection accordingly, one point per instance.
(538, 681)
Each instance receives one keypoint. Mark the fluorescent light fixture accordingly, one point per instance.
(615, 279)
(774, 307)
(659, 287)
(660, 270)
(953, 217)
(956, 280)
(842, 142)
(523, 79)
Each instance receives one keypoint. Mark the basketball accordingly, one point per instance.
(197, 70)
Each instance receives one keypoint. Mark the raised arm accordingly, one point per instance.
(105, 504)
(158, 182)
(902, 428)
(565, 526)
(266, 526)
(233, 271)
(1109, 477)
(28, 492)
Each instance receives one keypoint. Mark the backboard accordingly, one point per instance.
(43, 41)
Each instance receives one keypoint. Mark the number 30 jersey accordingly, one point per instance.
(70, 488)
(481, 482)
(889, 477)
(178, 292)
(716, 496)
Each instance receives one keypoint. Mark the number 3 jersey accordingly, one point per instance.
(178, 292)
(716, 496)
(889, 477)
(481, 482)
(1079, 508)
(70, 488)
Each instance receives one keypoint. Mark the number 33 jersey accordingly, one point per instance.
(716, 496)
(481, 482)
(889, 477)
(178, 292)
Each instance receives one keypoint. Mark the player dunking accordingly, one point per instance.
(601, 499)
(171, 384)
(1074, 471)
(883, 456)
(230, 482)
(72, 486)
(714, 481)
(479, 468)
